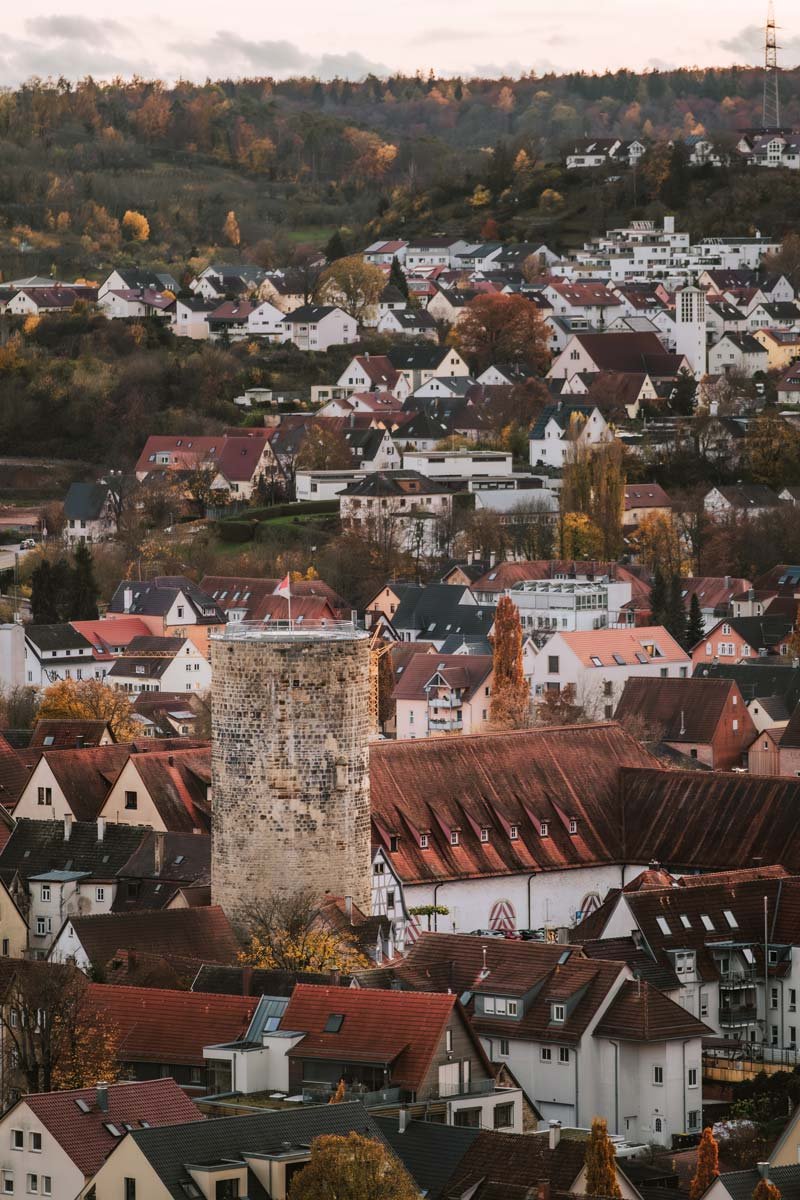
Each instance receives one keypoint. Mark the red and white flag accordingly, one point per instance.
(283, 588)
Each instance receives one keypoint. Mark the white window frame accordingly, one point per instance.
(658, 1075)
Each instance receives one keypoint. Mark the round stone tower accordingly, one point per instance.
(289, 761)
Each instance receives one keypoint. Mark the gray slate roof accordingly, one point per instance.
(741, 1184)
(38, 847)
(84, 501)
(429, 1152)
(169, 1148)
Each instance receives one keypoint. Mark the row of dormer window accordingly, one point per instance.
(513, 833)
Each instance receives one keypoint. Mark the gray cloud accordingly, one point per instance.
(21, 58)
(445, 34)
(74, 28)
(748, 43)
(229, 52)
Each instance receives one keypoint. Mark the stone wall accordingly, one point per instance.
(290, 768)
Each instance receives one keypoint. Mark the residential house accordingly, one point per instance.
(427, 253)
(155, 664)
(782, 347)
(579, 1034)
(381, 253)
(243, 464)
(408, 322)
(139, 279)
(190, 317)
(60, 867)
(256, 1155)
(61, 733)
(128, 303)
(619, 353)
(91, 942)
(753, 499)
(368, 373)
(706, 938)
(597, 664)
(265, 320)
(163, 789)
(443, 694)
(715, 595)
(171, 606)
(35, 301)
(563, 427)
(704, 719)
(776, 750)
(181, 455)
(738, 1185)
(316, 327)
(735, 639)
(90, 513)
(418, 364)
(56, 652)
(770, 687)
(431, 613)
(645, 500)
(738, 353)
(230, 321)
(418, 509)
(245, 599)
(53, 1143)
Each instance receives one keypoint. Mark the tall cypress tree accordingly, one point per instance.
(695, 628)
(397, 278)
(44, 608)
(84, 590)
(658, 598)
(675, 621)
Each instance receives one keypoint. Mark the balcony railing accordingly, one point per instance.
(475, 1087)
(320, 1094)
(739, 978)
(737, 1014)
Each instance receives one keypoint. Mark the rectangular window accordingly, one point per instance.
(489, 1004)
(40, 927)
(454, 837)
(545, 1054)
(693, 1120)
(131, 800)
(35, 1142)
(448, 1041)
(573, 825)
(563, 1054)
(130, 1188)
(513, 833)
(17, 1139)
(503, 1050)
(33, 1185)
(773, 997)
(512, 1008)
(8, 1182)
(45, 893)
(484, 835)
(45, 795)
(552, 664)
(544, 829)
(658, 1076)
(692, 1077)
(99, 895)
(704, 1004)
(47, 1185)
(559, 1013)
(423, 841)
(503, 1116)
(792, 998)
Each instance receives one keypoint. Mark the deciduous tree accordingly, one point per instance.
(90, 699)
(324, 449)
(353, 285)
(503, 328)
(707, 1168)
(230, 230)
(594, 485)
(765, 1189)
(511, 693)
(135, 226)
(601, 1175)
(289, 931)
(352, 1168)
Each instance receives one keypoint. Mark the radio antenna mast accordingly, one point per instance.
(771, 112)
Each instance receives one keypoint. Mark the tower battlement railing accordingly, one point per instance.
(280, 630)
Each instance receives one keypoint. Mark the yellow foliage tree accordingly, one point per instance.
(480, 197)
(292, 932)
(90, 699)
(551, 200)
(338, 1095)
(765, 1189)
(353, 284)
(601, 1174)
(88, 1053)
(579, 537)
(707, 1168)
(352, 1168)
(135, 226)
(230, 230)
(658, 544)
(511, 693)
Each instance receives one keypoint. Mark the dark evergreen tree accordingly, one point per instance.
(658, 598)
(51, 586)
(675, 189)
(682, 399)
(500, 169)
(84, 590)
(695, 629)
(335, 247)
(397, 278)
(675, 622)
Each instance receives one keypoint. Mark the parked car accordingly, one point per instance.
(28, 544)
(498, 933)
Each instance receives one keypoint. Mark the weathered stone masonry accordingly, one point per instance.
(290, 766)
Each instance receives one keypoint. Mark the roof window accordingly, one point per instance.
(334, 1023)
(663, 925)
(707, 922)
(730, 918)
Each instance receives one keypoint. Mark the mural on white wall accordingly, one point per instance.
(503, 916)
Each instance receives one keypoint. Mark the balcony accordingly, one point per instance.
(440, 724)
(738, 979)
(737, 1014)
(446, 700)
(321, 1094)
(475, 1087)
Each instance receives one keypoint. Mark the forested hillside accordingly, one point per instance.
(297, 159)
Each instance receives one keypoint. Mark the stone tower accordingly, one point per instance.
(290, 763)
(690, 328)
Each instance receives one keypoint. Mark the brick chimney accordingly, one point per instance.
(554, 1134)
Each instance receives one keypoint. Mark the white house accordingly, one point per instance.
(576, 604)
(443, 694)
(318, 326)
(190, 317)
(90, 513)
(461, 464)
(737, 352)
(56, 652)
(267, 321)
(597, 663)
(565, 425)
(160, 664)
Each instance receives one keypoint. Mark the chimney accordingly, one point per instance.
(101, 828)
(543, 1190)
(492, 559)
(763, 1169)
(554, 1134)
(402, 1120)
(683, 724)
(727, 581)
(158, 851)
(247, 979)
(67, 826)
(348, 908)
(127, 599)
(102, 1097)
(79, 741)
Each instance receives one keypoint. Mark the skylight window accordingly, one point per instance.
(730, 918)
(748, 955)
(685, 922)
(707, 922)
(663, 925)
(112, 1129)
(596, 662)
(334, 1023)
(83, 1106)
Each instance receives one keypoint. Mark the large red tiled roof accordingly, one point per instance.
(169, 1027)
(13, 774)
(68, 734)
(84, 1136)
(505, 783)
(604, 644)
(402, 1028)
(465, 671)
(177, 782)
(678, 710)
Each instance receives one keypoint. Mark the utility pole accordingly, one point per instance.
(771, 112)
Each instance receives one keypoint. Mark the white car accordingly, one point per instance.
(28, 544)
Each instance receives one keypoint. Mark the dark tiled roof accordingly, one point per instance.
(84, 1136)
(56, 637)
(518, 1162)
(168, 1150)
(68, 735)
(431, 1153)
(464, 671)
(13, 774)
(757, 679)
(202, 933)
(36, 847)
(642, 964)
(257, 981)
(177, 782)
(184, 858)
(84, 501)
(740, 1185)
(641, 1013)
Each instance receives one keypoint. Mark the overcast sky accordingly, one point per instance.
(205, 38)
